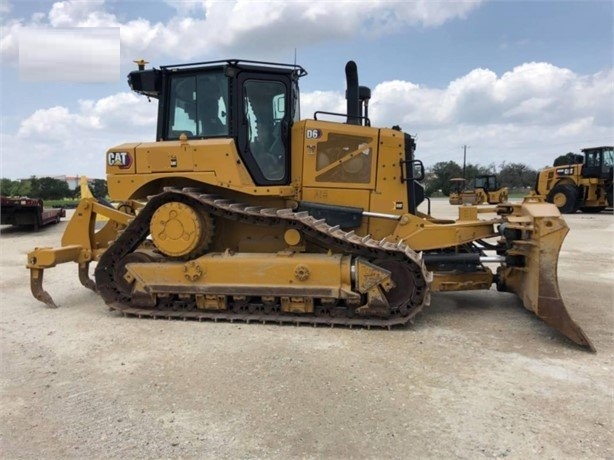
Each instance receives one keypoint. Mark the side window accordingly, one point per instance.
(608, 157)
(592, 159)
(183, 107)
(265, 108)
(198, 106)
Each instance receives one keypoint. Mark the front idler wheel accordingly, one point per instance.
(178, 230)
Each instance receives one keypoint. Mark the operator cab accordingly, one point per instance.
(598, 162)
(487, 182)
(253, 102)
(457, 185)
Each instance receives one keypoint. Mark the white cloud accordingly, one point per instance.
(535, 93)
(61, 141)
(9, 43)
(239, 27)
(327, 101)
(530, 114)
(88, 13)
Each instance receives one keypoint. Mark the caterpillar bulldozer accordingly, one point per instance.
(241, 211)
(586, 187)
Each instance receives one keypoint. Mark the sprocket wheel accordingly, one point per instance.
(400, 296)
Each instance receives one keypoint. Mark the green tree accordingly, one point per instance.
(438, 177)
(10, 187)
(569, 158)
(48, 188)
(21, 188)
(99, 188)
(35, 189)
(472, 171)
(6, 185)
(516, 175)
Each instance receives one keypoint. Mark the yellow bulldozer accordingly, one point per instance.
(457, 187)
(485, 189)
(242, 211)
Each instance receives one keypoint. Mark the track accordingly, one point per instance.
(414, 292)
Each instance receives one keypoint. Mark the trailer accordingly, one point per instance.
(30, 212)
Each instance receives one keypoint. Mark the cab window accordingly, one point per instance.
(265, 109)
(608, 157)
(198, 106)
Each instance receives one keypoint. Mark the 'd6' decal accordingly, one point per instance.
(313, 134)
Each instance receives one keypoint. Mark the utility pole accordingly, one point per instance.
(464, 160)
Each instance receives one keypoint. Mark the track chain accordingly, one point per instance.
(314, 230)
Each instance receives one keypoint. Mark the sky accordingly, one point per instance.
(514, 81)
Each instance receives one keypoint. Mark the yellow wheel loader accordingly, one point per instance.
(242, 211)
(586, 186)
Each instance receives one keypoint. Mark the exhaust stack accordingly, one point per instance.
(352, 94)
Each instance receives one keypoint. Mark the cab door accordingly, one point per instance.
(264, 122)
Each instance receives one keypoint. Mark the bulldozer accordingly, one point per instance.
(242, 211)
(586, 187)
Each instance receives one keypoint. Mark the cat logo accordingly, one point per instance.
(121, 159)
(567, 171)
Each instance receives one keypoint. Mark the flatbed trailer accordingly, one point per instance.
(24, 211)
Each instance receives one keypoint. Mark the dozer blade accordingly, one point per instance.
(531, 271)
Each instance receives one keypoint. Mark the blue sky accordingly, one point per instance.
(516, 81)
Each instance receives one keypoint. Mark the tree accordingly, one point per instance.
(516, 175)
(99, 188)
(6, 185)
(10, 187)
(48, 188)
(472, 171)
(569, 158)
(439, 175)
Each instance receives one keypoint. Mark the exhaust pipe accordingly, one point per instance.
(352, 94)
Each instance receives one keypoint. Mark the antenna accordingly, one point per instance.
(295, 56)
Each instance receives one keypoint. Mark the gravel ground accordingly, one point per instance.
(476, 376)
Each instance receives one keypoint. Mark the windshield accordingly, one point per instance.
(198, 105)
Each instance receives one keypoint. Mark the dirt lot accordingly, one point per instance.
(476, 376)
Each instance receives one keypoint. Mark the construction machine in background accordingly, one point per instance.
(457, 186)
(586, 187)
(486, 189)
(242, 211)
